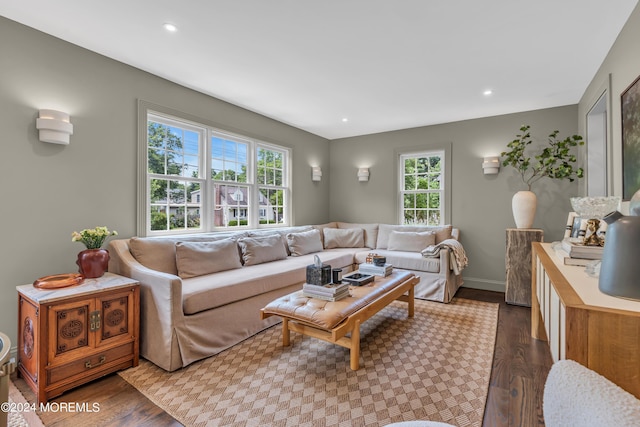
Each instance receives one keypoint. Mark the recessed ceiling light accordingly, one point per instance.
(487, 92)
(345, 119)
(170, 27)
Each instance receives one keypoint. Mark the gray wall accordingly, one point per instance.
(50, 190)
(480, 205)
(619, 69)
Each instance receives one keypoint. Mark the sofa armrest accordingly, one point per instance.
(445, 263)
(160, 303)
(122, 262)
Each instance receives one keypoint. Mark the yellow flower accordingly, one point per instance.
(93, 238)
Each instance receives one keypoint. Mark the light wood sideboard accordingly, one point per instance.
(70, 336)
(581, 323)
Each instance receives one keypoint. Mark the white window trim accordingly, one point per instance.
(446, 176)
(146, 109)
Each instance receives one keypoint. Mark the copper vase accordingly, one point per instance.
(93, 262)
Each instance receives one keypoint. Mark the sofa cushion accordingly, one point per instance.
(343, 238)
(410, 241)
(200, 258)
(304, 243)
(321, 227)
(283, 231)
(210, 291)
(413, 261)
(156, 254)
(258, 250)
(370, 232)
(443, 232)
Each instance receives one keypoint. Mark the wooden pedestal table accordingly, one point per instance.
(518, 264)
(333, 321)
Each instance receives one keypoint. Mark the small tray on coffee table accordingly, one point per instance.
(358, 279)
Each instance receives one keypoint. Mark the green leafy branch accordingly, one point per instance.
(555, 161)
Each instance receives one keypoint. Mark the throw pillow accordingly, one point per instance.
(156, 254)
(200, 258)
(408, 241)
(343, 238)
(370, 232)
(258, 250)
(321, 227)
(282, 232)
(304, 243)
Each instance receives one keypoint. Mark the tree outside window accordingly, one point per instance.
(201, 179)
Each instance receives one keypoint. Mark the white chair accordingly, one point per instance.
(577, 396)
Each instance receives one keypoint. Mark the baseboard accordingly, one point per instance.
(484, 284)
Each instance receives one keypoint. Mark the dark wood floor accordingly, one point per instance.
(520, 368)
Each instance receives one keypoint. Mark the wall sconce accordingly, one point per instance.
(491, 165)
(54, 127)
(363, 174)
(316, 173)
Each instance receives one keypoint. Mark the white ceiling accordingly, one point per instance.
(384, 65)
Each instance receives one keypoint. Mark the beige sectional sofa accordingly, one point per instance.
(201, 294)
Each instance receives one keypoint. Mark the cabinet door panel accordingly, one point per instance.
(547, 303)
(563, 332)
(116, 312)
(69, 332)
(554, 324)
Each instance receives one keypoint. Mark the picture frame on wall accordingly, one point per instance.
(630, 109)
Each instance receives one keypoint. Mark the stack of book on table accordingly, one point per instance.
(374, 270)
(330, 292)
(579, 254)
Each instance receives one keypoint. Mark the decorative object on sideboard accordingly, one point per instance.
(552, 161)
(54, 126)
(634, 204)
(620, 269)
(363, 174)
(491, 165)
(93, 261)
(591, 210)
(316, 173)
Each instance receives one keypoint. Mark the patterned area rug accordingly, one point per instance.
(24, 418)
(435, 366)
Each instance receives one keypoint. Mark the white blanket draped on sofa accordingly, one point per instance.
(459, 259)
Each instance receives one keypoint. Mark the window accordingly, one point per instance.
(197, 178)
(422, 184)
(174, 178)
(270, 177)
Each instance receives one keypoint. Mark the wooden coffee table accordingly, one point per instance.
(333, 321)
